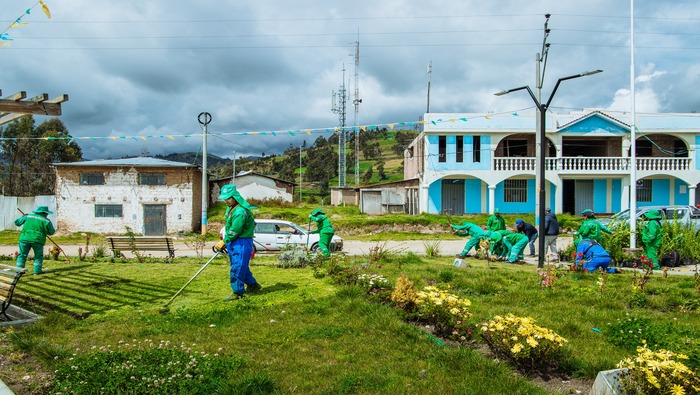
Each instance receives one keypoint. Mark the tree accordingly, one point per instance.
(380, 170)
(367, 176)
(30, 153)
(321, 162)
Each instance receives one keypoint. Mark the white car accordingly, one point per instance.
(684, 214)
(274, 235)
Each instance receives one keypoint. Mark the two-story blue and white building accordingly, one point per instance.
(473, 163)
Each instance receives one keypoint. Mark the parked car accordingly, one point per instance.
(274, 235)
(684, 214)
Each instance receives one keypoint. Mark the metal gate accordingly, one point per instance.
(154, 223)
(453, 196)
(584, 195)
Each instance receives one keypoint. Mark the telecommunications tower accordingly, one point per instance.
(339, 108)
(356, 101)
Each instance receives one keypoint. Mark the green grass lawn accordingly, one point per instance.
(304, 334)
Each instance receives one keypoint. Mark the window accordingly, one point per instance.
(476, 149)
(92, 179)
(151, 179)
(644, 190)
(108, 211)
(515, 191)
(644, 148)
(265, 228)
(442, 148)
(460, 149)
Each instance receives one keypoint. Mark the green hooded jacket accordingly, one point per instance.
(240, 223)
(323, 224)
(35, 227)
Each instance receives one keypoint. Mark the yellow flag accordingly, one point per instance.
(45, 8)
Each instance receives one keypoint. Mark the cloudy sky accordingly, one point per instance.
(148, 68)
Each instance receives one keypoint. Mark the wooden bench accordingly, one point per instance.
(141, 243)
(9, 276)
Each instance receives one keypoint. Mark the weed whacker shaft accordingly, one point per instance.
(165, 308)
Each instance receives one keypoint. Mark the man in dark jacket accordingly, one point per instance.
(35, 227)
(551, 232)
(528, 230)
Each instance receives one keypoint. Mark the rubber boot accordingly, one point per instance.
(37, 268)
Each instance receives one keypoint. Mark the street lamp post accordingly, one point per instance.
(543, 151)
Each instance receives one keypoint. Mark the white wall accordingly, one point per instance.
(76, 204)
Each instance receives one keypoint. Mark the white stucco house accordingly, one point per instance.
(151, 196)
(253, 185)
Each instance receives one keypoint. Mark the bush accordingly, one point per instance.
(523, 342)
(404, 296)
(293, 257)
(657, 372)
(442, 309)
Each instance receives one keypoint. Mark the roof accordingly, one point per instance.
(254, 173)
(133, 162)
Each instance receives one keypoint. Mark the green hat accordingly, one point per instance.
(43, 210)
(653, 214)
(317, 212)
(587, 212)
(496, 211)
(229, 191)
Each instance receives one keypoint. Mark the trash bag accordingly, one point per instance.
(672, 259)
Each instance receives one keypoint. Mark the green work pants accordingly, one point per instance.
(472, 243)
(24, 248)
(324, 243)
(651, 253)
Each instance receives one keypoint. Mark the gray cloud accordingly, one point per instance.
(135, 68)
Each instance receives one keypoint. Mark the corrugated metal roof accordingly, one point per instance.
(136, 162)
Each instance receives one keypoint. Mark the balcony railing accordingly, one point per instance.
(592, 164)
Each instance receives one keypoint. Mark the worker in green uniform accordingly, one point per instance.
(238, 237)
(495, 221)
(35, 227)
(515, 245)
(590, 228)
(652, 235)
(324, 229)
(469, 229)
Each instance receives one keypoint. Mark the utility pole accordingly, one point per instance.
(233, 177)
(356, 101)
(204, 119)
(539, 140)
(299, 173)
(430, 75)
(339, 108)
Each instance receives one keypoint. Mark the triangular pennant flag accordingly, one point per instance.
(45, 8)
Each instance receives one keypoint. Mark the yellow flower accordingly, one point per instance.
(516, 348)
(677, 390)
(532, 342)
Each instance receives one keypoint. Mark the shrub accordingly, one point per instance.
(293, 257)
(523, 342)
(442, 309)
(144, 368)
(432, 248)
(377, 287)
(657, 372)
(404, 296)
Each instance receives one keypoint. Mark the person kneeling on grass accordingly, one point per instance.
(240, 228)
(590, 255)
(472, 230)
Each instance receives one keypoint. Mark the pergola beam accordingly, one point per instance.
(14, 106)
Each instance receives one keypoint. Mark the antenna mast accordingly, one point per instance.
(356, 101)
(339, 108)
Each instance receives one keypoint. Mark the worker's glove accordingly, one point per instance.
(219, 247)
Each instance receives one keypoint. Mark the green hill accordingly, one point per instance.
(380, 154)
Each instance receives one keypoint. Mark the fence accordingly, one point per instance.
(10, 204)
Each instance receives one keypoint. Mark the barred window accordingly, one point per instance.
(644, 190)
(92, 179)
(476, 147)
(515, 191)
(442, 148)
(151, 179)
(460, 149)
(108, 211)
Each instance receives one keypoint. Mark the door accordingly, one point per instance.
(453, 196)
(583, 195)
(154, 223)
